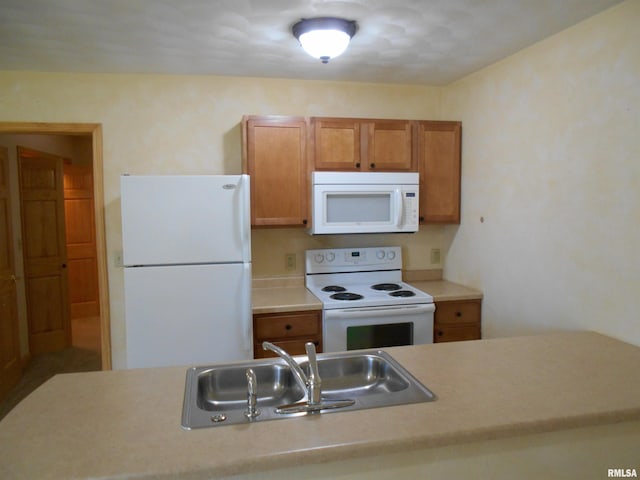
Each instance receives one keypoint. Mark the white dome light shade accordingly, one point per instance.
(324, 38)
(324, 44)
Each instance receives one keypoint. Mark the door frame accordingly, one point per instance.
(95, 130)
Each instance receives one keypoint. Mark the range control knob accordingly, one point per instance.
(319, 258)
(391, 255)
(330, 256)
(380, 254)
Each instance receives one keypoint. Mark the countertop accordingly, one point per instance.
(127, 422)
(284, 299)
(289, 297)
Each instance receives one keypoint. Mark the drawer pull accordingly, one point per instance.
(458, 314)
(288, 327)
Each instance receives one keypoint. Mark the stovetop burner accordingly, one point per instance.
(387, 287)
(346, 296)
(334, 288)
(402, 293)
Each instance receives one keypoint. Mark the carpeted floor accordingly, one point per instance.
(42, 367)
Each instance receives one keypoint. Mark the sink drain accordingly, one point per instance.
(218, 418)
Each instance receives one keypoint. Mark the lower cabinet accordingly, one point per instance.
(457, 320)
(288, 330)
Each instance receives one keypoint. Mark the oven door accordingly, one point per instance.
(377, 327)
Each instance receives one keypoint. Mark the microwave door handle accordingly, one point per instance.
(398, 201)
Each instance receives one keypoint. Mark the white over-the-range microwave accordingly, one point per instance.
(364, 202)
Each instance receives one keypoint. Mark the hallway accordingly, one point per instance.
(83, 356)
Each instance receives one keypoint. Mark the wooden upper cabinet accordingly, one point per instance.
(336, 144)
(389, 146)
(348, 144)
(438, 147)
(275, 156)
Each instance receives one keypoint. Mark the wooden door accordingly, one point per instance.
(439, 167)
(82, 263)
(10, 367)
(390, 146)
(275, 156)
(337, 144)
(44, 250)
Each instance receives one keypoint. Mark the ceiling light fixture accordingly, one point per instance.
(324, 37)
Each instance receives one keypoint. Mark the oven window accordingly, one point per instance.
(378, 336)
(358, 207)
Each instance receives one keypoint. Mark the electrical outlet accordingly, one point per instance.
(435, 256)
(290, 261)
(117, 259)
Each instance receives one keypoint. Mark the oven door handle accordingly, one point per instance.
(372, 312)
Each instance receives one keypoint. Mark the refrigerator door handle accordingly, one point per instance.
(247, 316)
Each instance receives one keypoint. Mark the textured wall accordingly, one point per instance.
(551, 160)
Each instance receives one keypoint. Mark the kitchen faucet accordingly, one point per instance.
(311, 384)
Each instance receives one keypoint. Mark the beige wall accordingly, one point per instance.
(191, 125)
(551, 160)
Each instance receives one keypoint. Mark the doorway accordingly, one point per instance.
(94, 133)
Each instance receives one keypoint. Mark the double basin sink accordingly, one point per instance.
(218, 395)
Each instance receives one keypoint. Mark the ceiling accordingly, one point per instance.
(428, 42)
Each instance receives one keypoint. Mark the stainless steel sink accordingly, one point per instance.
(217, 395)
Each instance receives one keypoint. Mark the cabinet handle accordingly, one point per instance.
(439, 333)
(373, 165)
(358, 165)
(421, 219)
(458, 314)
(304, 221)
(316, 343)
(288, 327)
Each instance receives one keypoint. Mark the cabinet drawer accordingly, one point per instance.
(457, 312)
(292, 347)
(284, 326)
(454, 333)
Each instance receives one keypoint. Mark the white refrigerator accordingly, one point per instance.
(187, 269)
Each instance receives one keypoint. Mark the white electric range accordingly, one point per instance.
(365, 302)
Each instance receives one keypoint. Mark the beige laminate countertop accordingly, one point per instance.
(284, 299)
(127, 423)
(298, 298)
(443, 290)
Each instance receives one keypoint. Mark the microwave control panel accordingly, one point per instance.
(410, 208)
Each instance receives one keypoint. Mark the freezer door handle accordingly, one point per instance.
(245, 221)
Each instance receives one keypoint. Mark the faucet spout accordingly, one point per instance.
(314, 382)
(298, 374)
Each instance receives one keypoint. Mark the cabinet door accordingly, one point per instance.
(439, 167)
(275, 156)
(389, 146)
(337, 144)
(457, 320)
(448, 333)
(288, 330)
